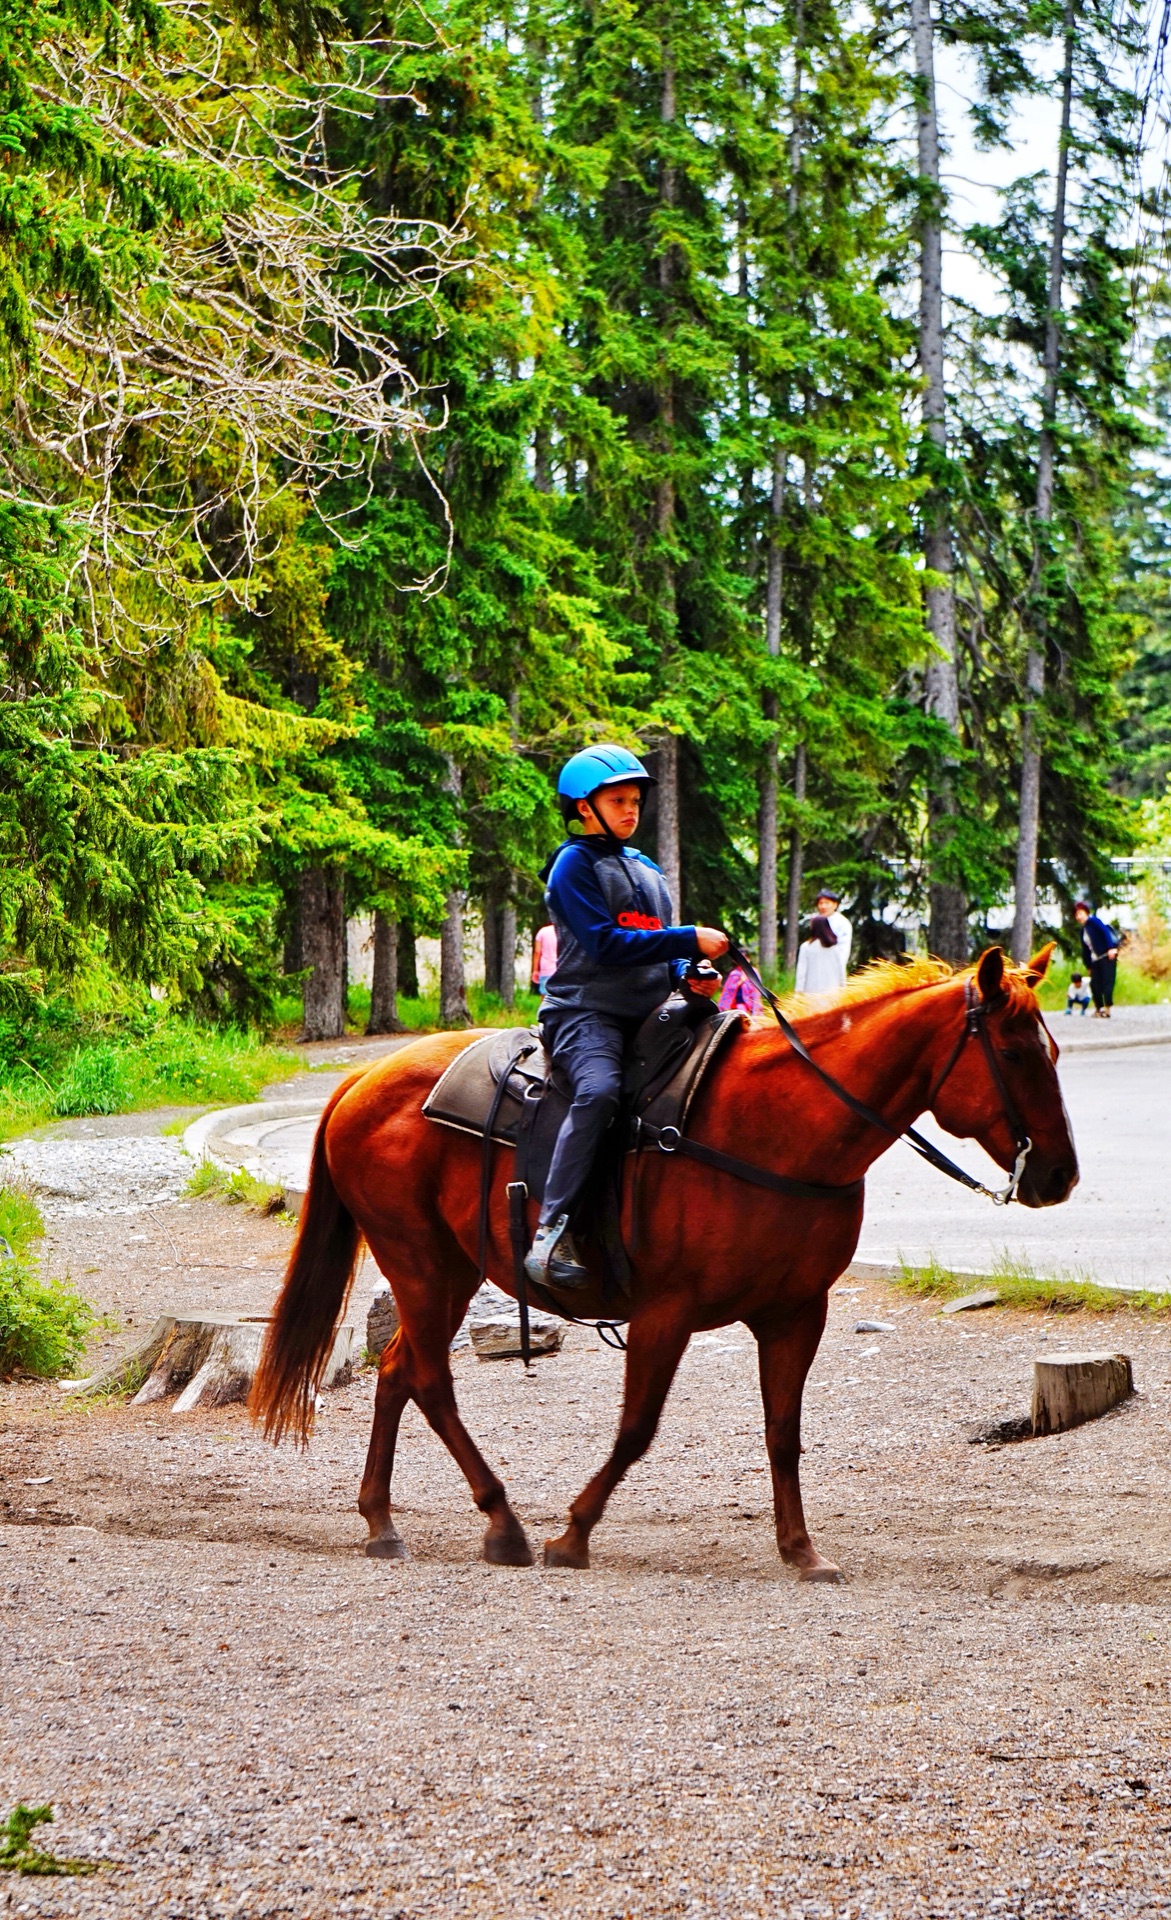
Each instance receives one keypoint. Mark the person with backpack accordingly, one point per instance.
(619, 956)
(1100, 946)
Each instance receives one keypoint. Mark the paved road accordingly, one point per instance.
(1117, 1226)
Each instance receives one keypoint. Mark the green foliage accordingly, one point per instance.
(18, 1853)
(95, 1081)
(60, 1061)
(43, 1324)
(629, 454)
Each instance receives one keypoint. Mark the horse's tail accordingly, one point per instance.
(316, 1287)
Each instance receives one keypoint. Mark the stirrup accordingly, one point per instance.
(553, 1260)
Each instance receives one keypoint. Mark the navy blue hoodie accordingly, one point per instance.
(617, 951)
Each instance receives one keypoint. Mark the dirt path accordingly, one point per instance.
(240, 1714)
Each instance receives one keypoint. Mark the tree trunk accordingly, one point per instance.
(542, 460)
(323, 951)
(292, 960)
(508, 953)
(770, 779)
(1030, 803)
(668, 758)
(491, 943)
(668, 837)
(408, 963)
(796, 865)
(384, 985)
(948, 906)
(453, 999)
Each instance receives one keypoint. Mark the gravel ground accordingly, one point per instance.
(240, 1715)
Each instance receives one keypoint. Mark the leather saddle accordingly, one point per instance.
(505, 1081)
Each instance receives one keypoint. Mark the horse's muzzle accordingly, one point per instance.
(1047, 1186)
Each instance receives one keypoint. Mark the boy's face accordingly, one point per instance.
(616, 807)
(1080, 915)
(826, 905)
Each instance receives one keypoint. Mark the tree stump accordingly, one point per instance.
(499, 1337)
(206, 1359)
(382, 1323)
(1071, 1388)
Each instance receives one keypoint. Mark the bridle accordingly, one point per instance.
(975, 1027)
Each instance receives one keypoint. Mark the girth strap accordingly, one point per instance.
(518, 1233)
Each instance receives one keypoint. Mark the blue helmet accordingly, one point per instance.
(604, 766)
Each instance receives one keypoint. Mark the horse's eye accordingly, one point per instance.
(1011, 1054)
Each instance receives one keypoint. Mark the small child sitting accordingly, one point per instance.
(1078, 995)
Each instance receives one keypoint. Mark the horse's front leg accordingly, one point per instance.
(787, 1345)
(655, 1344)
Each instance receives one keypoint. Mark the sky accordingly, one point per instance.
(972, 176)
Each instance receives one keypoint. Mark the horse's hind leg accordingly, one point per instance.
(385, 1542)
(655, 1346)
(416, 1367)
(505, 1544)
(787, 1346)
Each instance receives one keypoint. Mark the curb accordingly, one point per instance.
(198, 1135)
(1114, 1045)
(199, 1141)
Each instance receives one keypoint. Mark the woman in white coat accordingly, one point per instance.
(823, 958)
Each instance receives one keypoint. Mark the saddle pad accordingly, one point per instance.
(463, 1096)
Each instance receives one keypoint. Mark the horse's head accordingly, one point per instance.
(1008, 1079)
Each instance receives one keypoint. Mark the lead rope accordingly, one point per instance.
(999, 1196)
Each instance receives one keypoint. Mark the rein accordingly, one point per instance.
(975, 1024)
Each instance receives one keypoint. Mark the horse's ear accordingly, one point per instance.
(990, 973)
(1038, 966)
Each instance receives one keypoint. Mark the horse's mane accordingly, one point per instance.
(882, 979)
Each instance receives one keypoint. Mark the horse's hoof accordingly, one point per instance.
(557, 1554)
(507, 1549)
(825, 1575)
(387, 1546)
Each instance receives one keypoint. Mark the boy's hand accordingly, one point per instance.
(701, 977)
(712, 943)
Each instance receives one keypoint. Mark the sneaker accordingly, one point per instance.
(553, 1260)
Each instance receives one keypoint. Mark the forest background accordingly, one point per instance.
(390, 405)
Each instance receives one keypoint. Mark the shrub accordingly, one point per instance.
(43, 1324)
(95, 1081)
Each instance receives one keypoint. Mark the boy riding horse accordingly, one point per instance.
(619, 955)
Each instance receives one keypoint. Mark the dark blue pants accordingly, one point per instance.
(589, 1048)
(1102, 975)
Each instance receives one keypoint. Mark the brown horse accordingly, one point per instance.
(712, 1250)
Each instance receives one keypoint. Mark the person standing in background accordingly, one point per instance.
(1100, 946)
(824, 958)
(544, 956)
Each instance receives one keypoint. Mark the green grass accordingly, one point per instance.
(168, 1061)
(43, 1323)
(1019, 1286)
(421, 1014)
(239, 1189)
(486, 1009)
(18, 1853)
